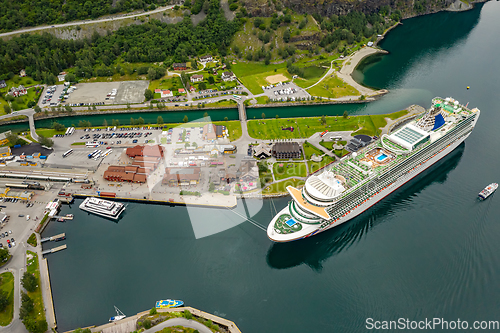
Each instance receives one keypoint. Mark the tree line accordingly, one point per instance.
(44, 56)
(29, 13)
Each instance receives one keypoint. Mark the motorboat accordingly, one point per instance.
(168, 303)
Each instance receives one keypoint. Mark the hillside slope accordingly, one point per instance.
(327, 8)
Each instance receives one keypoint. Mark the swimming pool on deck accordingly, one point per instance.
(290, 222)
(381, 157)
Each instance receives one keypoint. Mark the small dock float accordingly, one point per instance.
(66, 217)
(54, 238)
(56, 249)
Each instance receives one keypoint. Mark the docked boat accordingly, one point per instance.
(487, 191)
(168, 303)
(60, 219)
(69, 215)
(119, 316)
(105, 208)
(345, 189)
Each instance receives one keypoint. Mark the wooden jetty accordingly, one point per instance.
(59, 248)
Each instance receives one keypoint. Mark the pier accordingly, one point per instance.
(56, 249)
(53, 238)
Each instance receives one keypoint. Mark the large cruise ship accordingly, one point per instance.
(106, 208)
(358, 181)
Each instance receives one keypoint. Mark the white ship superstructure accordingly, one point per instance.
(106, 208)
(359, 180)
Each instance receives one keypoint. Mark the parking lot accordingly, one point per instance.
(99, 93)
(285, 91)
(17, 212)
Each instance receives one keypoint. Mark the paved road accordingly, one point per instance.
(69, 24)
(180, 322)
(26, 112)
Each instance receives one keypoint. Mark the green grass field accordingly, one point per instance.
(253, 74)
(289, 169)
(36, 296)
(7, 285)
(280, 187)
(262, 100)
(333, 87)
(340, 153)
(314, 166)
(267, 129)
(48, 132)
(172, 83)
(309, 150)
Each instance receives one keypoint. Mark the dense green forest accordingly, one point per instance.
(44, 56)
(28, 13)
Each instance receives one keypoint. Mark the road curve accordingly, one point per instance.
(180, 322)
(69, 24)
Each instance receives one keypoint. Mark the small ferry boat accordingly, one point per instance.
(488, 190)
(168, 303)
(69, 215)
(60, 219)
(105, 208)
(119, 316)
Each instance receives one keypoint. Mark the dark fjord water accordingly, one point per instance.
(429, 250)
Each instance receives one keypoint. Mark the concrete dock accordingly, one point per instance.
(56, 249)
(53, 238)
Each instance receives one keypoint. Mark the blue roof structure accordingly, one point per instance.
(438, 121)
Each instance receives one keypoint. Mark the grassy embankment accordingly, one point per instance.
(269, 129)
(33, 268)
(309, 150)
(7, 285)
(333, 87)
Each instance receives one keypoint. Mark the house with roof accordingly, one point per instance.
(3, 84)
(196, 78)
(166, 93)
(228, 76)
(19, 91)
(286, 150)
(181, 90)
(262, 151)
(179, 66)
(206, 58)
(248, 170)
(181, 176)
(62, 76)
(192, 89)
(3, 137)
(147, 150)
(212, 131)
(157, 91)
(5, 151)
(22, 73)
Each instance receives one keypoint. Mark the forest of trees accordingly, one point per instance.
(28, 13)
(44, 56)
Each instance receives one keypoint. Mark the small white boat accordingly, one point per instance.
(488, 190)
(119, 316)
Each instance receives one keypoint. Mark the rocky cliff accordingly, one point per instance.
(408, 8)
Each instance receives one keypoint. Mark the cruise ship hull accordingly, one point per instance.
(310, 230)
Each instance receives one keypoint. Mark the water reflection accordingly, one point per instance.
(313, 251)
